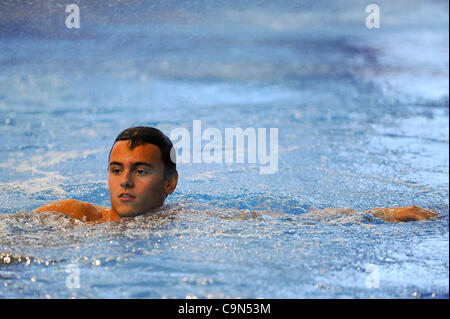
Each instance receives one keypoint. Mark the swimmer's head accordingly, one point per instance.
(140, 135)
(141, 171)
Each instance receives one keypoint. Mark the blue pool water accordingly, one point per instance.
(362, 117)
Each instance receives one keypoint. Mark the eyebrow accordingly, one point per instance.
(134, 164)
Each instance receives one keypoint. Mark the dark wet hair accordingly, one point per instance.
(140, 135)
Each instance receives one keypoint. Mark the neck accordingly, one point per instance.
(110, 215)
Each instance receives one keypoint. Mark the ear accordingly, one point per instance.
(171, 183)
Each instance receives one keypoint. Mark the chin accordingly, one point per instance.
(127, 212)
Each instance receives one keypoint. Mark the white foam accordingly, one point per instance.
(49, 159)
(47, 181)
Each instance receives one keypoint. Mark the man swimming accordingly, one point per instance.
(142, 174)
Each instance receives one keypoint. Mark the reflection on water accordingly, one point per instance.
(363, 122)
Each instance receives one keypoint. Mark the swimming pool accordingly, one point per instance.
(362, 118)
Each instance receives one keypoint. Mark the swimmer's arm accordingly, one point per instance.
(402, 214)
(393, 214)
(74, 208)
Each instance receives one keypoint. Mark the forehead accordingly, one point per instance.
(149, 153)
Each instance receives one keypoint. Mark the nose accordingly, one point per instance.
(127, 180)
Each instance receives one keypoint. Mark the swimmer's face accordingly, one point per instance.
(136, 179)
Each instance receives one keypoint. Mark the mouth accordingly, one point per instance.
(126, 197)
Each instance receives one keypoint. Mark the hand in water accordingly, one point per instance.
(402, 214)
(393, 215)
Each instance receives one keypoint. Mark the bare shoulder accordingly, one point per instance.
(108, 214)
(74, 208)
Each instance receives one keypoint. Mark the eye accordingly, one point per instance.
(115, 171)
(141, 172)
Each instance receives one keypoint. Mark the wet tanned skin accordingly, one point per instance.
(136, 179)
(393, 214)
(80, 210)
(96, 214)
(402, 214)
